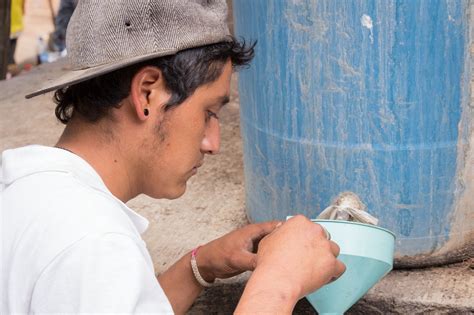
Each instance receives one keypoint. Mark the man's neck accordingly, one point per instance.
(102, 151)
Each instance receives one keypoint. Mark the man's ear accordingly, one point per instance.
(148, 92)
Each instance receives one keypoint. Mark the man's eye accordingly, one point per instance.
(211, 114)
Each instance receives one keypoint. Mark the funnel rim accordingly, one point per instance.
(355, 223)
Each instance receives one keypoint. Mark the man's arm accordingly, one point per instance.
(222, 258)
(100, 273)
(268, 294)
(180, 285)
(294, 260)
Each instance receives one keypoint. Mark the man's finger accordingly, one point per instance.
(334, 248)
(246, 261)
(340, 269)
(259, 230)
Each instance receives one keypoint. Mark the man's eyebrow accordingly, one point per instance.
(223, 100)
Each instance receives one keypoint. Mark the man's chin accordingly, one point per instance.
(173, 194)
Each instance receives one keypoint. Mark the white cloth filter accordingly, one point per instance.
(348, 207)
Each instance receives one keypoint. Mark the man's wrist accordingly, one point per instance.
(204, 264)
(281, 281)
(267, 292)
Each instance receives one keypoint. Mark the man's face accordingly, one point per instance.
(184, 135)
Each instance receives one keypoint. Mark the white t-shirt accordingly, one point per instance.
(68, 245)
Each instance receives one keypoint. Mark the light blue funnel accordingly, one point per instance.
(367, 252)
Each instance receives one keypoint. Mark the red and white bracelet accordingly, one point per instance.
(195, 269)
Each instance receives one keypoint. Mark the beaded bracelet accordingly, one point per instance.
(195, 269)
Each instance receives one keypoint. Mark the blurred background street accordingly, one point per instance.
(38, 22)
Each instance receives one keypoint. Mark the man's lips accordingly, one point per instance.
(195, 168)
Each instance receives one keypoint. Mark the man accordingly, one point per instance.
(141, 111)
(17, 10)
(57, 39)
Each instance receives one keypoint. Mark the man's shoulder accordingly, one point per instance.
(57, 212)
(52, 199)
(64, 206)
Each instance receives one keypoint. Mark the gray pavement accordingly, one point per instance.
(215, 204)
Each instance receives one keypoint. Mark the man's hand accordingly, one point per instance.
(293, 261)
(233, 253)
(222, 258)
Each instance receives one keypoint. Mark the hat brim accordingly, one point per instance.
(76, 76)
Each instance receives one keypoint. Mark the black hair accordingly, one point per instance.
(183, 73)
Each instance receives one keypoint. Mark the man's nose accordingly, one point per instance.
(212, 138)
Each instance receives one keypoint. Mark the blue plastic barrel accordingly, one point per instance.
(369, 96)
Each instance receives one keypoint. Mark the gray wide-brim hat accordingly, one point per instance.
(106, 35)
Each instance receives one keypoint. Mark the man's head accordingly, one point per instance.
(163, 113)
(183, 73)
(148, 80)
